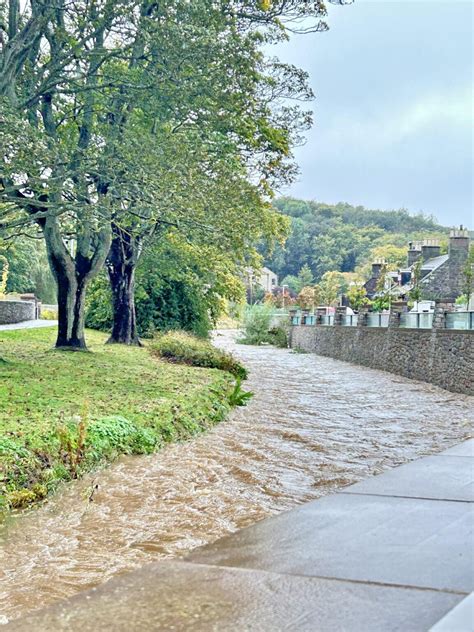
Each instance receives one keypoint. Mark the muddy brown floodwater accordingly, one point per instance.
(314, 425)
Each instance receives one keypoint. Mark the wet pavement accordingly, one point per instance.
(372, 557)
(379, 531)
(314, 426)
(29, 324)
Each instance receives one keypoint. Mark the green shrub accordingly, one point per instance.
(278, 336)
(257, 319)
(239, 397)
(258, 329)
(161, 304)
(49, 314)
(178, 346)
(117, 434)
(17, 463)
(20, 498)
(462, 301)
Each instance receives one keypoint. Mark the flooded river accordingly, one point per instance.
(314, 425)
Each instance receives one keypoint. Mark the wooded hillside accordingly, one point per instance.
(345, 238)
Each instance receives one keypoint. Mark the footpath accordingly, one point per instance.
(29, 324)
(392, 553)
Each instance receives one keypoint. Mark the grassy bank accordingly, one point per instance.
(64, 413)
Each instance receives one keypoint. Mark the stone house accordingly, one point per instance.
(371, 285)
(442, 276)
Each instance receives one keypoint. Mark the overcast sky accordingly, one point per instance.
(393, 109)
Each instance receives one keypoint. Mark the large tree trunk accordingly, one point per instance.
(73, 275)
(124, 329)
(121, 263)
(71, 305)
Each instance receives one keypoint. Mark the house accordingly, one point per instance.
(371, 285)
(264, 278)
(267, 279)
(441, 276)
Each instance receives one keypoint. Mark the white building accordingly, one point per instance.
(265, 278)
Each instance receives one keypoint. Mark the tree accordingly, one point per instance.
(232, 130)
(3, 275)
(331, 287)
(297, 283)
(305, 276)
(415, 291)
(206, 198)
(292, 283)
(63, 90)
(394, 256)
(344, 237)
(468, 278)
(309, 297)
(28, 268)
(85, 85)
(178, 285)
(357, 296)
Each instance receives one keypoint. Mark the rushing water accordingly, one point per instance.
(314, 425)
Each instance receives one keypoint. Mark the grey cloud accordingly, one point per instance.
(393, 113)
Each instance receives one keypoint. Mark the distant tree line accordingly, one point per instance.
(343, 238)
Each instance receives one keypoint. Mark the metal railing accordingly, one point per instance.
(349, 320)
(310, 319)
(377, 319)
(416, 320)
(408, 320)
(459, 320)
(327, 320)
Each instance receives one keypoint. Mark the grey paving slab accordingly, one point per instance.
(402, 541)
(466, 448)
(439, 477)
(354, 561)
(459, 619)
(192, 597)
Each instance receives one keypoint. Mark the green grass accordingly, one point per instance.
(63, 413)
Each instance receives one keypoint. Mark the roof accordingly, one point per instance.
(430, 266)
(267, 271)
(436, 262)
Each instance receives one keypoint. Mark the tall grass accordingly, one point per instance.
(257, 327)
(184, 348)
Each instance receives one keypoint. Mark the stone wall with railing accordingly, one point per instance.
(439, 355)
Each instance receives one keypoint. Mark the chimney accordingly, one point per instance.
(414, 252)
(430, 249)
(459, 241)
(377, 268)
(458, 254)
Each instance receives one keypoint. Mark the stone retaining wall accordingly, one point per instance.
(440, 356)
(16, 311)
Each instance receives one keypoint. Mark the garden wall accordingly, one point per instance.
(440, 356)
(16, 311)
